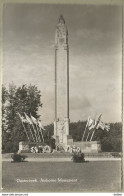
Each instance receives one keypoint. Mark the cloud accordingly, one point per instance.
(78, 103)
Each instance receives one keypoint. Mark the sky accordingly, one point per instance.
(95, 56)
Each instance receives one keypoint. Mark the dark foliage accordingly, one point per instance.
(78, 157)
(76, 130)
(48, 132)
(18, 157)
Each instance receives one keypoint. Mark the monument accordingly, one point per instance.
(61, 123)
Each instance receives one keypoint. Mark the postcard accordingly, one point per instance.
(62, 97)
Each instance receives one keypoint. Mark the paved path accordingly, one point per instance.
(66, 159)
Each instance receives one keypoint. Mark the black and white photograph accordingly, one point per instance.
(61, 97)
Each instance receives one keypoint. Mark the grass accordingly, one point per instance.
(91, 176)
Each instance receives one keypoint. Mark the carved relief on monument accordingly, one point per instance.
(61, 126)
(61, 129)
(61, 32)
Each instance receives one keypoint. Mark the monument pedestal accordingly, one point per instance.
(25, 147)
(61, 132)
(89, 147)
(67, 141)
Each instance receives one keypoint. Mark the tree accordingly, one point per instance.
(76, 130)
(22, 99)
(110, 140)
(5, 135)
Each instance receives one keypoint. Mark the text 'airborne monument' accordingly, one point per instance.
(61, 123)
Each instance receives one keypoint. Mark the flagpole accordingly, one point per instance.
(38, 136)
(85, 129)
(32, 134)
(95, 127)
(42, 134)
(40, 129)
(87, 136)
(35, 130)
(92, 135)
(38, 133)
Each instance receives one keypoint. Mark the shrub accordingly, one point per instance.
(78, 157)
(18, 157)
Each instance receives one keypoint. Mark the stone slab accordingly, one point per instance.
(89, 147)
(26, 146)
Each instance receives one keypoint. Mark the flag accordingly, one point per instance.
(107, 127)
(34, 120)
(99, 118)
(103, 126)
(40, 125)
(91, 123)
(95, 127)
(22, 118)
(28, 119)
(85, 128)
(98, 121)
(100, 125)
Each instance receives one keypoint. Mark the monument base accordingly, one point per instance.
(69, 141)
(86, 147)
(89, 147)
(25, 147)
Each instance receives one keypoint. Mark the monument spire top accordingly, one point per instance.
(61, 19)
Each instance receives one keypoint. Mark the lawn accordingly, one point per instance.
(90, 176)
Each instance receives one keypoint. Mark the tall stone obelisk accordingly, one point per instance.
(61, 123)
